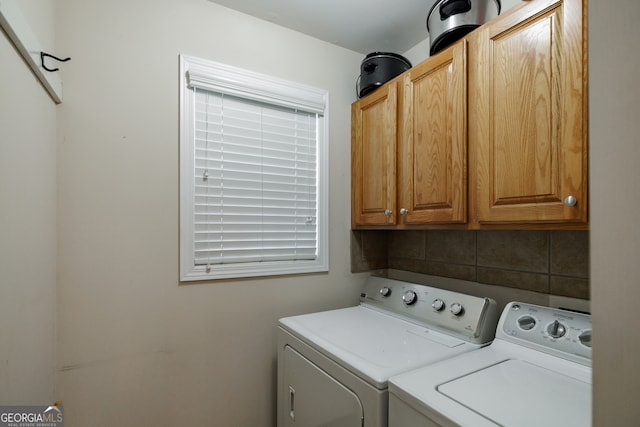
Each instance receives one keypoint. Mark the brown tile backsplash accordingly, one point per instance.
(525, 280)
(374, 245)
(456, 271)
(569, 287)
(368, 250)
(514, 250)
(570, 253)
(549, 262)
(408, 264)
(454, 247)
(407, 245)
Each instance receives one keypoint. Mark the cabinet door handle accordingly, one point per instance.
(404, 211)
(292, 403)
(570, 201)
(388, 212)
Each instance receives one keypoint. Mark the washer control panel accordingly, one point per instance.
(560, 332)
(471, 318)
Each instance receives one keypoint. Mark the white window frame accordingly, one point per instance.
(210, 75)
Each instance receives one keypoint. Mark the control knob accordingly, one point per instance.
(556, 329)
(438, 304)
(585, 338)
(409, 297)
(526, 323)
(385, 291)
(457, 309)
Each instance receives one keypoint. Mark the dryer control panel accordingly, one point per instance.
(470, 318)
(555, 331)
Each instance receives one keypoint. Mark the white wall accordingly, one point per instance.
(136, 348)
(615, 208)
(27, 227)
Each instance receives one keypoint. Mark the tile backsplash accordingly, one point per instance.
(547, 262)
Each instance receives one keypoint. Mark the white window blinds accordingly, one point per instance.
(253, 174)
(255, 181)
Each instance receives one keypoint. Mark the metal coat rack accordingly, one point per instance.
(43, 55)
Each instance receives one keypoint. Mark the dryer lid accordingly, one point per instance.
(374, 345)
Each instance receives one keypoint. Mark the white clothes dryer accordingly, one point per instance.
(333, 366)
(537, 372)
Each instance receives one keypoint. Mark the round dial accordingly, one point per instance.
(438, 304)
(556, 329)
(585, 338)
(385, 291)
(457, 309)
(526, 323)
(409, 297)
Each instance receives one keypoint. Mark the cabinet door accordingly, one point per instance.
(433, 140)
(373, 157)
(527, 114)
(311, 397)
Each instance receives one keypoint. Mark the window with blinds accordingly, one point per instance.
(253, 174)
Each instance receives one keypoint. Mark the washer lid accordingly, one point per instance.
(372, 344)
(488, 381)
(519, 393)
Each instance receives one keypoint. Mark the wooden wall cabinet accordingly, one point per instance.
(373, 157)
(490, 132)
(432, 143)
(527, 115)
(409, 146)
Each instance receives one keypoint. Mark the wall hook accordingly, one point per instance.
(42, 55)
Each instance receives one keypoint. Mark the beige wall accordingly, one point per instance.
(27, 230)
(136, 348)
(615, 208)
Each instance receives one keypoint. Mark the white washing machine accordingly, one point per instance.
(333, 366)
(537, 372)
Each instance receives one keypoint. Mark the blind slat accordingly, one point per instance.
(255, 181)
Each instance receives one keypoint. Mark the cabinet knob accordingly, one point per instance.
(570, 201)
(388, 212)
(404, 211)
